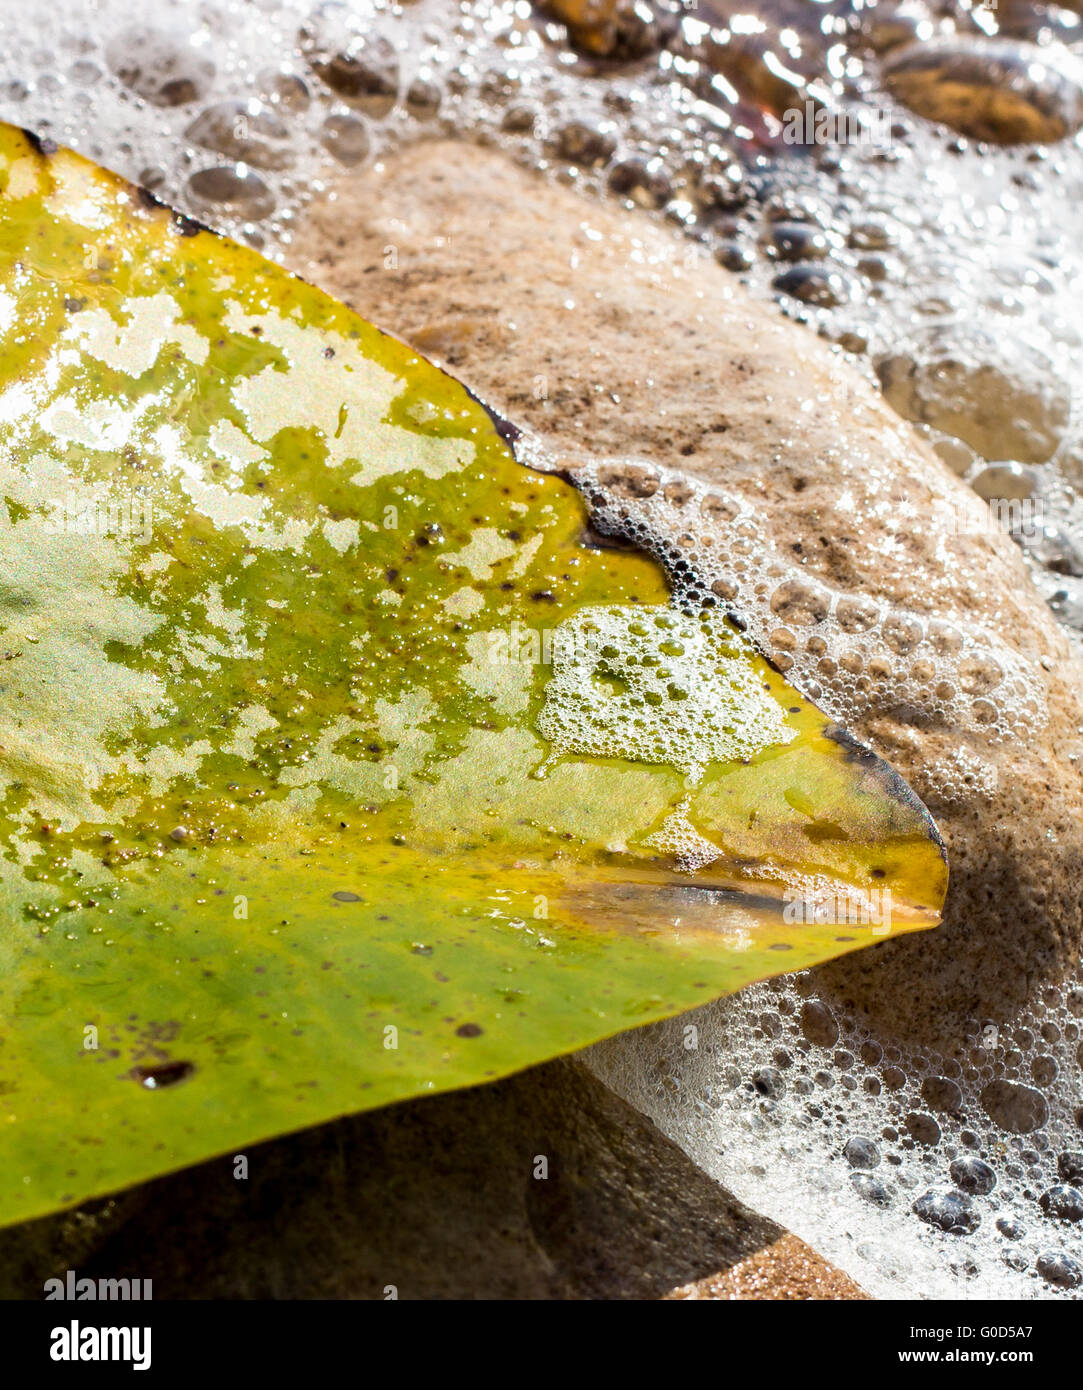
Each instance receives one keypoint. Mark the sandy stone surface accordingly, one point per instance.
(604, 334)
(444, 1198)
(786, 1269)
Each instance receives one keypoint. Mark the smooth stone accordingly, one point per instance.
(1001, 90)
(442, 1197)
(667, 360)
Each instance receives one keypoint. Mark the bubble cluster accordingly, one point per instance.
(946, 269)
(856, 657)
(922, 1174)
(891, 235)
(657, 687)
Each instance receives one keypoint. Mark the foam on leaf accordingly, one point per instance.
(311, 797)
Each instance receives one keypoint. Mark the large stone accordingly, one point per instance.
(607, 335)
(542, 1186)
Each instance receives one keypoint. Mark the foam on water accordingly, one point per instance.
(950, 274)
(663, 688)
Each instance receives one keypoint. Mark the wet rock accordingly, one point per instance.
(991, 88)
(1006, 402)
(442, 1198)
(951, 1211)
(618, 29)
(245, 131)
(735, 378)
(788, 1269)
(162, 67)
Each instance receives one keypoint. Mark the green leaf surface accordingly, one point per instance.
(336, 765)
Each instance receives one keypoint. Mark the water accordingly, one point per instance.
(948, 273)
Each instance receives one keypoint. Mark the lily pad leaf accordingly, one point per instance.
(336, 765)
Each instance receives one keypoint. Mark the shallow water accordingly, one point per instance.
(949, 271)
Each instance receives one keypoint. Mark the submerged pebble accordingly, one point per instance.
(991, 88)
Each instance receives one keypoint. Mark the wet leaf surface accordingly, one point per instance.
(336, 766)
